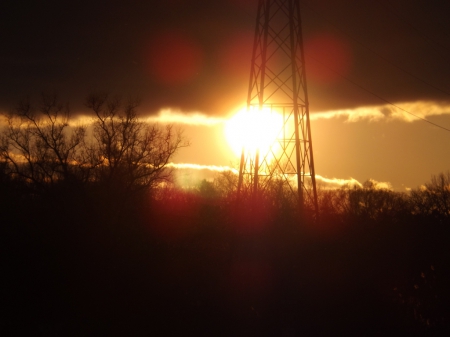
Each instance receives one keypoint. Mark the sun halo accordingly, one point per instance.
(253, 129)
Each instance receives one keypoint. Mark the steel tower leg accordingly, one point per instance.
(278, 84)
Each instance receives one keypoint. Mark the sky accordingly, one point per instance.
(375, 70)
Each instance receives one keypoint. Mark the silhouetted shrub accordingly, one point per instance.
(432, 200)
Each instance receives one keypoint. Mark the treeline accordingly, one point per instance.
(96, 240)
(90, 260)
(368, 202)
(40, 145)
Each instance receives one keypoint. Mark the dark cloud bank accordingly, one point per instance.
(195, 55)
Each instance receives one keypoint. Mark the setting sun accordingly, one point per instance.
(253, 129)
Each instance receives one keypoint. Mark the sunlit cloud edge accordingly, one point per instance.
(198, 167)
(171, 116)
(378, 113)
(388, 112)
(323, 182)
(336, 182)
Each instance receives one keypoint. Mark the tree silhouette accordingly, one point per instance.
(433, 198)
(38, 145)
(225, 183)
(127, 151)
(372, 203)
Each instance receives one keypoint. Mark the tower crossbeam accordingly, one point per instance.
(278, 85)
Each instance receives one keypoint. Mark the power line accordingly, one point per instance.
(386, 60)
(378, 96)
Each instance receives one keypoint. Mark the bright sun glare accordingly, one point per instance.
(253, 129)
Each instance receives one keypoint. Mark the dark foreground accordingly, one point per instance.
(186, 266)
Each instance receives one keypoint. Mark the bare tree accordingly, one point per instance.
(372, 203)
(433, 199)
(127, 151)
(226, 183)
(38, 145)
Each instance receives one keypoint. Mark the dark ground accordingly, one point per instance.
(91, 264)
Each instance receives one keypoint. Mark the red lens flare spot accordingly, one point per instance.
(253, 217)
(235, 55)
(329, 58)
(173, 58)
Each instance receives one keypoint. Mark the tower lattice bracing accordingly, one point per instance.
(278, 85)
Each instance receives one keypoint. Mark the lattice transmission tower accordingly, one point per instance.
(278, 85)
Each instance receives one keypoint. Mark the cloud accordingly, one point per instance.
(165, 116)
(80, 119)
(214, 168)
(379, 185)
(188, 175)
(332, 183)
(179, 117)
(402, 111)
(2, 119)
